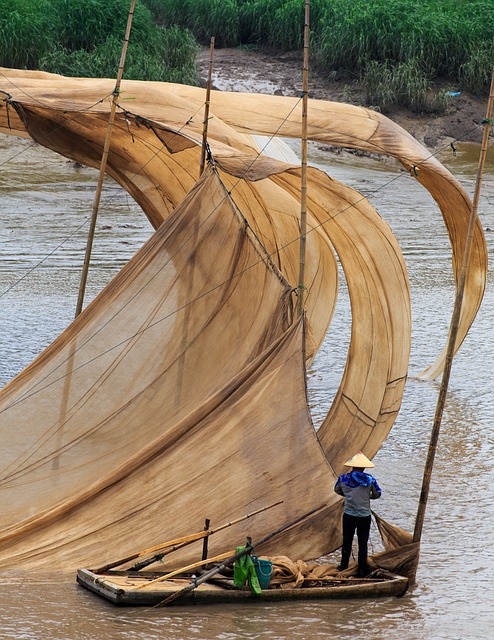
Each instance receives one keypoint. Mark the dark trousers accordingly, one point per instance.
(362, 527)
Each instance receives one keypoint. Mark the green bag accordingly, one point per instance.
(244, 571)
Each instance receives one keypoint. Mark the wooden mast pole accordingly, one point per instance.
(303, 191)
(455, 320)
(104, 159)
(206, 108)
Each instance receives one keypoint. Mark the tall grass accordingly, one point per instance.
(405, 84)
(24, 32)
(452, 39)
(84, 38)
(444, 37)
(204, 18)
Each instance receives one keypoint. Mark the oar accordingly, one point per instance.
(249, 547)
(178, 543)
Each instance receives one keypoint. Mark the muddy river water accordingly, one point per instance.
(44, 209)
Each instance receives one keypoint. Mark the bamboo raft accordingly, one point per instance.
(125, 588)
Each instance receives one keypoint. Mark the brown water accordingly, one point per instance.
(45, 205)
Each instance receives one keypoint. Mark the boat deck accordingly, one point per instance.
(127, 589)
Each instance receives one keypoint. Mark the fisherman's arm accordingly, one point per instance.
(375, 490)
(337, 488)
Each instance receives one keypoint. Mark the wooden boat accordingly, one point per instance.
(120, 587)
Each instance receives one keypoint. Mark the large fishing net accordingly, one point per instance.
(179, 392)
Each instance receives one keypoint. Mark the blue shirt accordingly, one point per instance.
(358, 489)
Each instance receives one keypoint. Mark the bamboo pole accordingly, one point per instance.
(206, 108)
(104, 159)
(178, 543)
(303, 191)
(189, 567)
(455, 320)
(205, 540)
(248, 548)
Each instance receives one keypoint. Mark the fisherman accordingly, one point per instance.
(358, 488)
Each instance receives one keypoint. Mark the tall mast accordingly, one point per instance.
(104, 159)
(455, 321)
(303, 191)
(206, 108)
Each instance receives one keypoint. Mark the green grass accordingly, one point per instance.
(204, 18)
(409, 41)
(442, 37)
(85, 38)
(25, 32)
(397, 46)
(405, 84)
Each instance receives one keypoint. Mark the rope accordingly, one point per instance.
(278, 251)
(151, 325)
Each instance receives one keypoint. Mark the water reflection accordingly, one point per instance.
(455, 579)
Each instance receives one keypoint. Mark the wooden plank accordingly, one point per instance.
(117, 589)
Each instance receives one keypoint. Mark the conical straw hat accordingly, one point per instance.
(359, 460)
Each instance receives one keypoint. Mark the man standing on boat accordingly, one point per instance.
(358, 488)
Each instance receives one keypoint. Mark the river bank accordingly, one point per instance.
(262, 71)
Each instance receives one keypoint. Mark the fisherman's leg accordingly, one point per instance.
(349, 526)
(363, 530)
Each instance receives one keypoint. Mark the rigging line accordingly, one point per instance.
(278, 251)
(274, 253)
(267, 255)
(53, 130)
(29, 271)
(256, 154)
(33, 392)
(382, 149)
(120, 188)
(270, 139)
(117, 191)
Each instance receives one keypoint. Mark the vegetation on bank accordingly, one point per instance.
(85, 37)
(392, 48)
